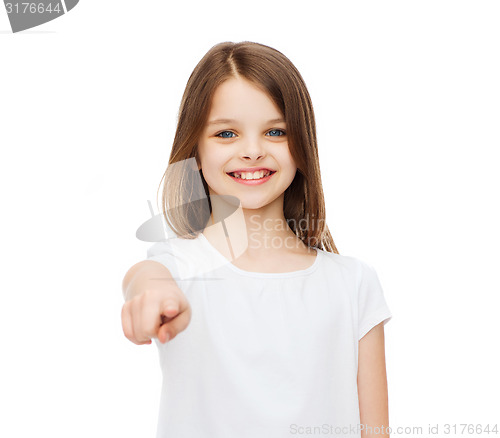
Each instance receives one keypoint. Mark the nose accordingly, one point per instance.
(252, 150)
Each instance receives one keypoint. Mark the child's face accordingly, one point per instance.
(251, 140)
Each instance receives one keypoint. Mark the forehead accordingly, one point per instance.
(238, 98)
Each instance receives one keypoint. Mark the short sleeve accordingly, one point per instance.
(186, 259)
(372, 306)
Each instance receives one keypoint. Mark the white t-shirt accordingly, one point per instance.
(266, 355)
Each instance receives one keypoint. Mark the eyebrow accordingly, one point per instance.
(222, 121)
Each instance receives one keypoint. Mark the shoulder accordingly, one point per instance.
(344, 263)
(190, 257)
(353, 269)
(176, 246)
(158, 248)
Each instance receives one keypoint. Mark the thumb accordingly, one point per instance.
(169, 309)
(174, 326)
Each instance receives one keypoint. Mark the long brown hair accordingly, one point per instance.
(275, 74)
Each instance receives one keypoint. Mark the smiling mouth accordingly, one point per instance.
(248, 176)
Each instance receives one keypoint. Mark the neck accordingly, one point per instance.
(251, 231)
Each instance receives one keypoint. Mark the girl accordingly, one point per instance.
(263, 329)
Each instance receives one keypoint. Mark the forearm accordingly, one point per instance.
(138, 277)
(372, 384)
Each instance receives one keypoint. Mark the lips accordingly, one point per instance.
(248, 179)
(250, 175)
(251, 169)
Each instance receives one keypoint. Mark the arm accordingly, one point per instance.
(138, 275)
(372, 383)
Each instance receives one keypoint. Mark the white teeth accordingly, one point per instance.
(258, 174)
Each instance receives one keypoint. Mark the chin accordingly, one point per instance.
(254, 204)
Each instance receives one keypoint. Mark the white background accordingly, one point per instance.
(406, 96)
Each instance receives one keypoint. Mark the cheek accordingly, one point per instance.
(289, 162)
(212, 164)
(206, 156)
(215, 158)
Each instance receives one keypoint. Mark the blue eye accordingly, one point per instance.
(224, 132)
(277, 130)
(231, 134)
